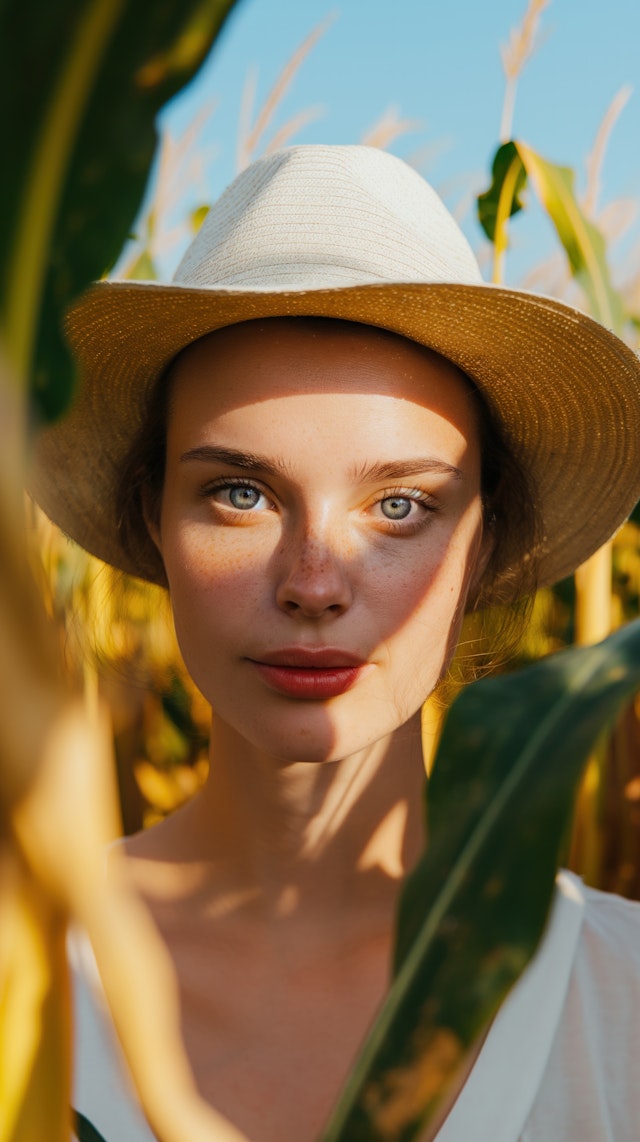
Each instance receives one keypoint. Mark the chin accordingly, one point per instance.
(290, 731)
(319, 736)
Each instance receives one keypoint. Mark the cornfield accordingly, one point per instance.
(116, 632)
(88, 660)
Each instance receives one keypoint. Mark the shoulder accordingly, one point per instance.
(609, 947)
(605, 978)
(590, 1087)
(608, 913)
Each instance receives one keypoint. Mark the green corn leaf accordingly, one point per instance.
(474, 908)
(507, 166)
(515, 163)
(80, 84)
(197, 218)
(84, 1129)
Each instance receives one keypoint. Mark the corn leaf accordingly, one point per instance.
(582, 241)
(81, 82)
(34, 1016)
(85, 1130)
(474, 908)
(505, 160)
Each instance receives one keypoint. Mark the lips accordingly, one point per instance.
(318, 657)
(315, 673)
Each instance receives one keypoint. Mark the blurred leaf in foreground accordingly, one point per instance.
(78, 153)
(474, 908)
(85, 1131)
(58, 815)
(80, 83)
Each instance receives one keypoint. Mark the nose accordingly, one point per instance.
(314, 580)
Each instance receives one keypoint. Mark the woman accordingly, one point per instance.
(330, 439)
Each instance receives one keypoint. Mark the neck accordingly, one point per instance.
(332, 837)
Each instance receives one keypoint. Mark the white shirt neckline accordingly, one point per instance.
(499, 1092)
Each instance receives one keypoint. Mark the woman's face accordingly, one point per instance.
(321, 527)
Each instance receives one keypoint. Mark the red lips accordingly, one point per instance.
(309, 672)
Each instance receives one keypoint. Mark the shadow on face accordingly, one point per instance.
(322, 491)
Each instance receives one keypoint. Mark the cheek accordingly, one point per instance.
(215, 589)
(200, 559)
(434, 584)
(425, 618)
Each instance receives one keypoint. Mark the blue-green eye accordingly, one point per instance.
(396, 507)
(244, 497)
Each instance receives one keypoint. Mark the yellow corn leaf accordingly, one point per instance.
(35, 1032)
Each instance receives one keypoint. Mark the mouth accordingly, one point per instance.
(312, 657)
(315, 673)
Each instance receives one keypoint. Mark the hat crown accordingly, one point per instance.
(353, 234)
(316, 217)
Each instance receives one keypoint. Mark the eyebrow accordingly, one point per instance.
(396, 469)
(365, 473)
(249, 461)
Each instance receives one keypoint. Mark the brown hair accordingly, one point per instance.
(139, 490)
(509, 505)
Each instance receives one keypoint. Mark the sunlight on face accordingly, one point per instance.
(322, 495)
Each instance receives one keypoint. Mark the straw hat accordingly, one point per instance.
(354, 233)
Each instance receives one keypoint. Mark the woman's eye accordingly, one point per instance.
(406, 508)
(243, 498)
(396, 507)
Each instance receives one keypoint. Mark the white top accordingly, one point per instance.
(560, 1062)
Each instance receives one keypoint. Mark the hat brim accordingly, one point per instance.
(566, 390)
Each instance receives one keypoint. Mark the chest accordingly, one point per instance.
(271, 1048)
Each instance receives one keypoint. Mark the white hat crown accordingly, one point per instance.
(316, 217)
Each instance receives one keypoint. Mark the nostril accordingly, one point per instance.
(312, 608)
(314, 581)
(295, 598)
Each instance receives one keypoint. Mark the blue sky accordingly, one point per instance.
(438, 64)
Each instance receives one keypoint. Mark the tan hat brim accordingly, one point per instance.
(566, 390)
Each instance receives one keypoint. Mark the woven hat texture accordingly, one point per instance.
(354, 233)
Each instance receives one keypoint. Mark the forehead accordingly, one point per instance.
(259, 361)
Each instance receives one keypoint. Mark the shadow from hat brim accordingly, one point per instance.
(565, 389)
